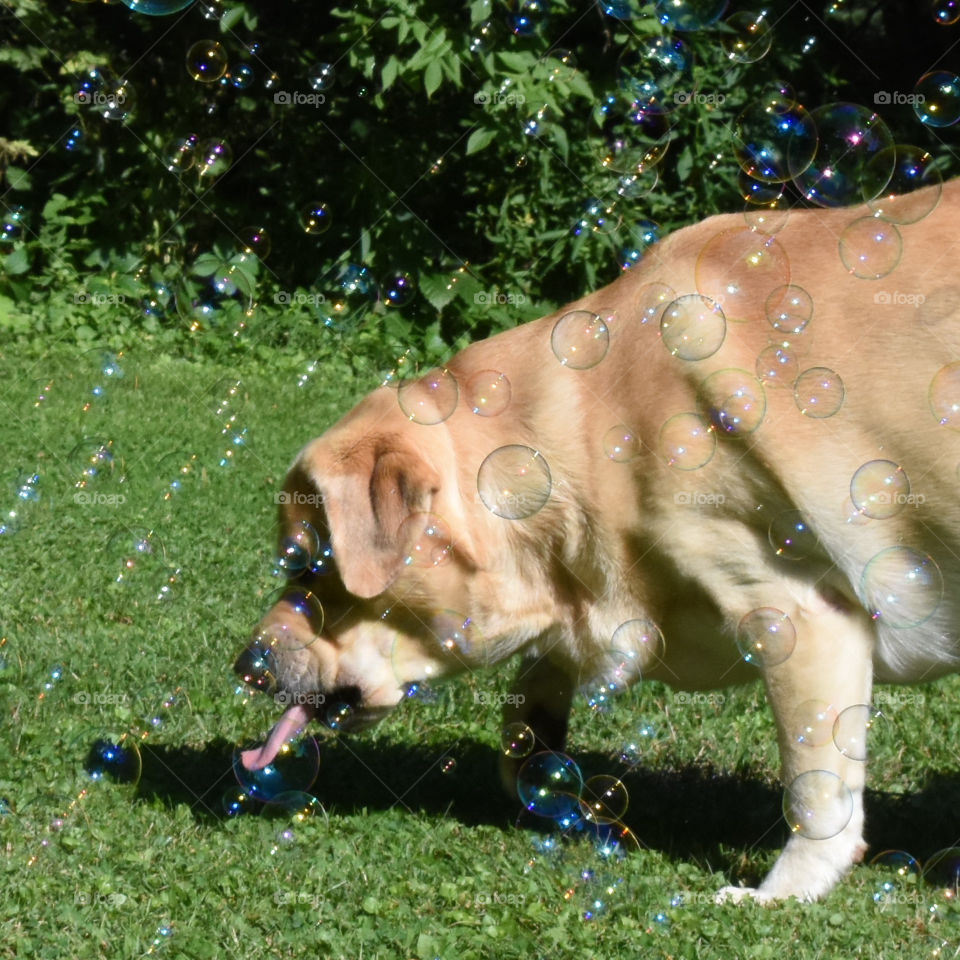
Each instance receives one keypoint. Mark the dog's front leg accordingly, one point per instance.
(830, 667)
(540, 697)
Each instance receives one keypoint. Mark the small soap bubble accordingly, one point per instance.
(818, 392)
(734, 400)
(295, 620)
(425, 539)
(657, 73)
(621, 444)
(901, 587)
(517, 740)
(750, 39)
(240, 77)
(180, 153)
(789, 308)
(641, 640)
(813, 722)
(157, 8)
(791, 536)
(817, 805)
(879, 489)
(206, 61)
(767, 220)
(214, 158)
(514, 482)
(897, 197)
(687, 442)
(299, 548)
(693, 327)
(296, 805)
(93, 461)
(133, 553)
(766, 637)
(398, 289)
(604, 799)
(430, 399)
(321, 77)
(315, 219)
(899, 861)
(295, 767)
(689, 15)
(936, 98)
(850, 730)
(774, 139)
(942, 869)
(777, 366)
(652, 298)
(118, 761)
(337, 716)
(106, 94)
(236, 801)
(580, 339)
(870, 248)
(12, 221)
(944, 396)
(487, 393)
(549, 784)
(757, 192)
(254, 242)
(448, 765)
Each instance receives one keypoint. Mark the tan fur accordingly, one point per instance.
(616, 542)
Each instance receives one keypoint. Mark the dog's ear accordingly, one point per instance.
(367, 498)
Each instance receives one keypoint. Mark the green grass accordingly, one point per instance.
(407, 860)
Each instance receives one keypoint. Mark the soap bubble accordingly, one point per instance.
(295, 767)
(157, 8)
(206, 61)
(133, 554)
(580, 339)
(944, 396)
(735, 401)
(94, 460)
(514, 482)
(777, 366)
(937, 98)
(299, 548)
(315, 219)
(295, 621)
(766, 637)
(236, 801)
(879, 489)
(641, 235)
(239, 77)
(812, 723)
(739, 269)
(517, 740)
(254, 242)
(527, 17)
(851, 140)
(689, 15)
(214, 158)
(817, 805)
(103, 92)
(945, 12)
(789, 308)
(597, 218)
(657, 73)
(621, 444)
(791, 536)
(757, 192)
(901, 587)
(487, 393)
(604, 799)
(430, 399)
(897, 197)
(321, 77)
(942, 869)
(774, 139)
(750, 39)
(296, 805)
(768, 220)
(398, 289)
(118, 761)
(651, 300)
(687, 442)
(870, 248)
(850, 730)
(425, 539)
(180, 153)
(12, 223)
(899, 860)
(256, 667)
(549, 784)
(818, 392)
(693, 327)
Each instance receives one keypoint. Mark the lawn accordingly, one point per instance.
(414, 852)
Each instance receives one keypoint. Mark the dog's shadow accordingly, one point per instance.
(692, 813)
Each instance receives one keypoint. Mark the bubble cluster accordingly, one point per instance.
(774, 139)
(657, 73)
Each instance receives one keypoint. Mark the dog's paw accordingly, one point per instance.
(736, 894)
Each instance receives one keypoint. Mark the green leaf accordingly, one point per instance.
(206, 265)
(17, 262)
(432, 77)
(434, 287)
(481, 138)
(18, 179)
(389, 73)
(231, 18)
(684, 164)
(518, 62)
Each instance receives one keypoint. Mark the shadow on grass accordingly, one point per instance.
(714, 819)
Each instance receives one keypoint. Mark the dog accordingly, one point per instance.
(738, 460)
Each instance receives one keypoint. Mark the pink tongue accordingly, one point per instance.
(293, 719)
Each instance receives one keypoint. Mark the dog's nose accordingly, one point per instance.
(255, 667)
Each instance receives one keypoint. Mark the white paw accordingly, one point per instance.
(736, 894)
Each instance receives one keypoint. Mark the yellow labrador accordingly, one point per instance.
(740, 458)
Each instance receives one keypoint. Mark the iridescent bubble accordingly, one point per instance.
(634, 139)
(180, 154)
(448, 765)
(514, 482)
(294, 622)
(487, 393)
(850, 731)
(336, 716)
(597, 218)
(321, 77)
(651, 300)
(429, 400)
(734, 400)
(791, 536)
(254, 242)
(425, 540)
(157, 8)
(398, 289)
(611, 841)
(901, 587)
(789, 308)
(687, 442)
(131, 550)
(315, 219)
(937, 98)
(214, 158)
(608, 677)
(817, 805)
(299, 548)
(296, 805)
(517, 740)
(117, 761)
(851, 137)
(818, 392)
(206, 61)
(689, 15)
(256, 667)
(693, 327)
(295, 767)
(879, 489)
(560, 64)
(942, 869)
(812, 723)
(899, 860)
(768, 220)
(738, 269)
(944, 396)
(641, 235)
(623, 9)
(766, 637)
(657, 73)
(580, 339)
(11, 226)
(870, 248)
(548, 782)
(757, 192)
(527, 17)
(777, 366)
(106, 94)
(945, 12)
(750, 39)
(774, 139)
(897, 197)
(621, 444)
(640, 639)
(604, 799)
(237, 801)
(93, 460)
(222, 301)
